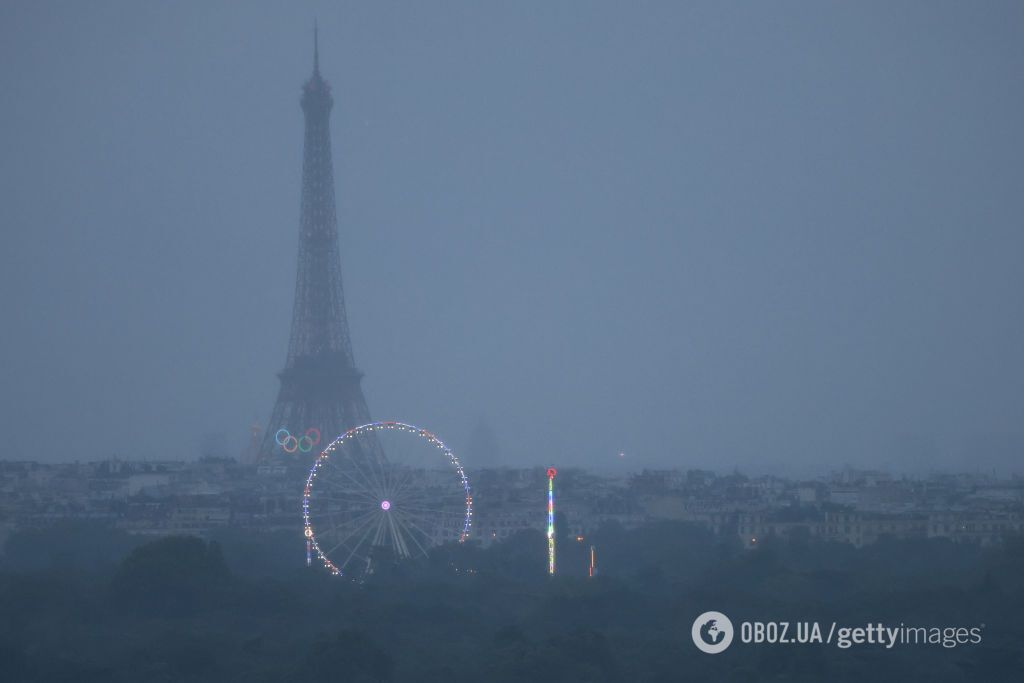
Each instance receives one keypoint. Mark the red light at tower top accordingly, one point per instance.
(552, 472)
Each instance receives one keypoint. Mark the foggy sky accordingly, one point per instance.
(769, 235)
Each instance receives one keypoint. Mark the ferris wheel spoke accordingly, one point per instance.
(408, 464)
(370, 449)
(393, 535)
(378, 538)
(425, 525)
(353, 456)
(387, 470)
(458, 512)
(419, 501)
(456, 524)
(338, 486)
(376, 467)
(393, 473)
(401, 548)
(432, 492)
(341, 479)
(346, 516)
(366, 524)
(343, 531)
(351, 502)
(358, 545)
(403, 476)
(432, 518)
(414, 530)
(405, 526)
(389, 485)
(335, 529)
(341, 518)
(343, 508)
(344, 494)
(408, 521)
(419, 521)
(407, 482)
(342, 513)
(417, 495)
(365, 482)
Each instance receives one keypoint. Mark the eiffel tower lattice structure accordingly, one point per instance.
(320, 384)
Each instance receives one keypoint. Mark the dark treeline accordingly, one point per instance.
(84, 603)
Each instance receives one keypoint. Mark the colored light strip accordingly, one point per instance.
(551, 521)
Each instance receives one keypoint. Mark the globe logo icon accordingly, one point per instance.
(712, 632)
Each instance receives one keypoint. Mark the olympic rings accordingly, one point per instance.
(290, 443)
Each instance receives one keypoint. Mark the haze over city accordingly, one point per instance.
(780, 237)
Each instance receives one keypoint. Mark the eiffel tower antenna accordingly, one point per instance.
(316, 49)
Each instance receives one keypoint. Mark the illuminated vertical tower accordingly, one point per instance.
(593, 563)
(320, 383)
(551, 520)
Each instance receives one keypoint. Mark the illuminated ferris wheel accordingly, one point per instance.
(385, 491)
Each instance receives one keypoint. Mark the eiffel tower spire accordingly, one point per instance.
(316, 49)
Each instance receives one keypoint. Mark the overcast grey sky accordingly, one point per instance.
(767, 235)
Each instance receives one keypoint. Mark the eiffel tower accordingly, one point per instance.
(320, 385)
